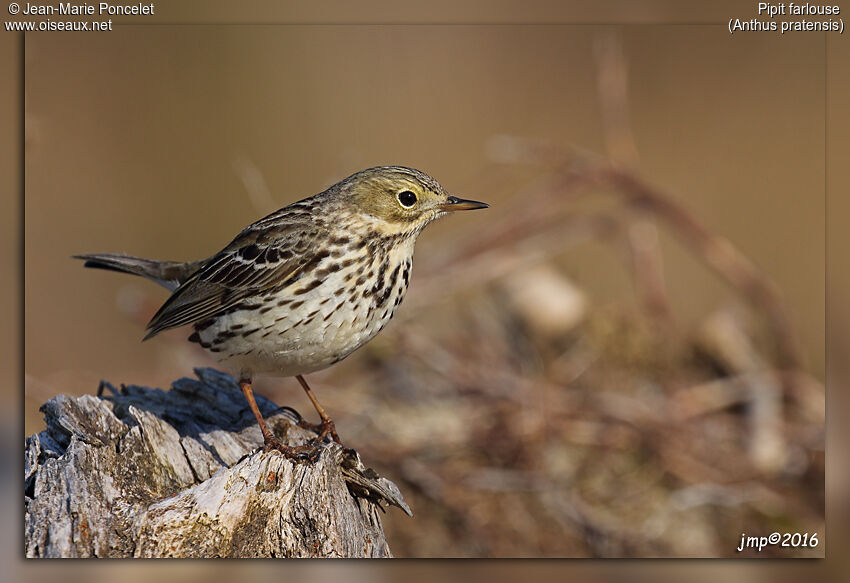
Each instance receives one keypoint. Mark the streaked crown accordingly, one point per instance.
(397, 199)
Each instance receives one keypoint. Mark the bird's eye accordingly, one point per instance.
(406, 198)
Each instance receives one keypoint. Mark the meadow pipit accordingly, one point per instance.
(304, 287)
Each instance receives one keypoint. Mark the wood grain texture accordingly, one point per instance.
(150, 473)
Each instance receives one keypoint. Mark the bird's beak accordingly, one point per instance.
(458, 204)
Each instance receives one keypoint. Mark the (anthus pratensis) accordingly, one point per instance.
(304, 287)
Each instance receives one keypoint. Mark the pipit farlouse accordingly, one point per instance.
(304, 287)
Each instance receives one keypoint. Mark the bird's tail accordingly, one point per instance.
(168, 274)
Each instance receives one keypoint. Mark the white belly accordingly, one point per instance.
(313, 330)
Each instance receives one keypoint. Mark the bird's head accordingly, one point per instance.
(396, 199)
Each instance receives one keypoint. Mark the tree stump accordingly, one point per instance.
(143, 472)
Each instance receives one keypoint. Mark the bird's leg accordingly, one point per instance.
(270, 442)
(326, 427)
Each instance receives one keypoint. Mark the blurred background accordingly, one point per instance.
(623, 356)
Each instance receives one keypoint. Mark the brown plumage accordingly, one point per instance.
(305, 286)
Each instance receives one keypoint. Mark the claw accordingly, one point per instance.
(323, 429)
(327, 427)
(297, 453)
(294, 413)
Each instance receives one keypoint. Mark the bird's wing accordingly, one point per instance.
(261, 258)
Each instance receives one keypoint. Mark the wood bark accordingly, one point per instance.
(143, 472)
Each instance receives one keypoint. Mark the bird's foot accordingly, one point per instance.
(298, 453)
(327, 427)
(323, 429)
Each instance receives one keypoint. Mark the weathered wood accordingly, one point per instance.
(180, 473)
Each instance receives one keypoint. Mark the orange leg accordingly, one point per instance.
(270, 442)
(327, 426)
